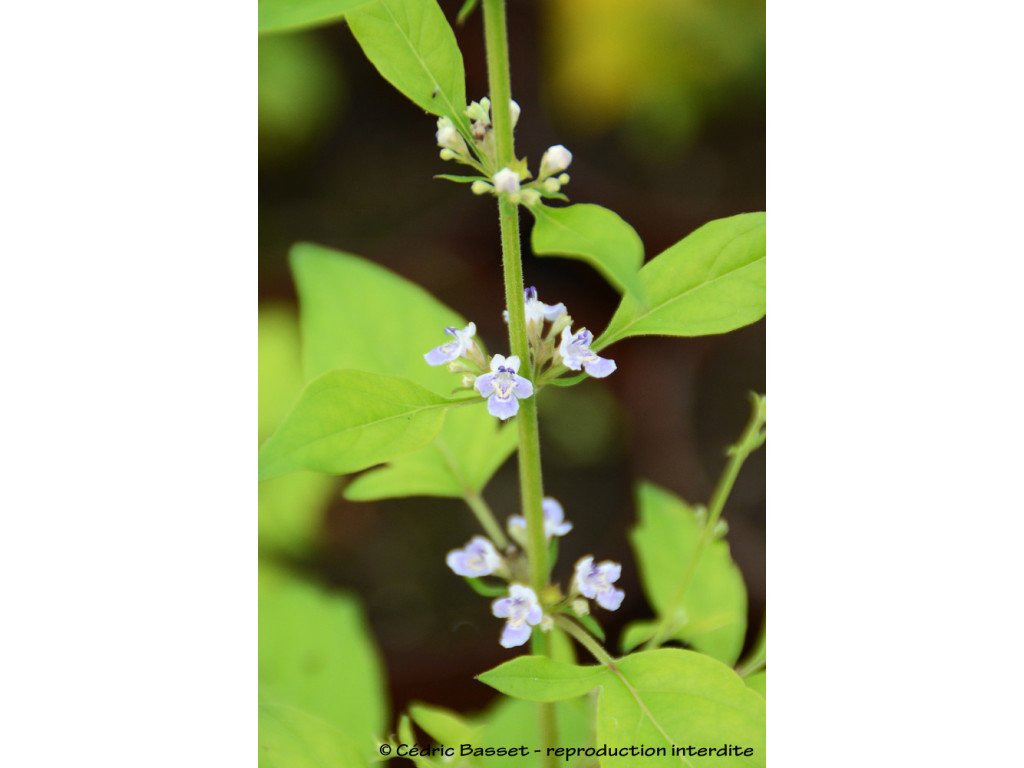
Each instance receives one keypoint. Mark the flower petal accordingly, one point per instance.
(599, 368)
(485, 384)
(522, 387)
(534, 615)
(611, 599)
(456, 560)
(502, 607)
(512, 361)
(503, 408)
(515, 634)
(442, 354)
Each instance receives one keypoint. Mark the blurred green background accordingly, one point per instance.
(662, 104)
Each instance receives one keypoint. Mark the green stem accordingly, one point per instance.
(751, 439)
(530, 481)
(486, 518)
(586, 640)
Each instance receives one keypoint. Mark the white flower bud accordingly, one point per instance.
(551, 186)
(546, 623)
(479, 187)
(477, 113)
(448, 136)
(580, 607)
(530, 196)
(555, 160)
(563, 179)
(447, 154)
(513, 107)
(468, 381)
(507, 180)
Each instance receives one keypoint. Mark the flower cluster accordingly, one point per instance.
(477, 150)
(500, 381)
(573, 351)
(521, 607)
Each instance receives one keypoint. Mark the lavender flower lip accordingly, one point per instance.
(523, 611)
(503, 387)
(477, 558)
(595, 582)
(576, 354)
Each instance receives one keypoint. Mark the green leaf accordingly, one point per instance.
(512, 721)
(471, 447)
(350, 420)
(712, 614)
(288, 15)
(663, 699)
(290, 508)
(568, 381)
(356, 314)
(443, 726)
(459, 179)
(756, 682)
(538, 678)
(413, 47)
(680, 698)
(290, 737)
(315, 652)
(637, 632)
(711, 281)
(758, 655)
(486, 588)
(592, 234)
(466, 10)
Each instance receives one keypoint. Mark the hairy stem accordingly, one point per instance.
(585, 639)
(530, 482)
(752, 438)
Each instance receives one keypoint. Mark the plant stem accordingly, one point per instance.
(530, 481)
(584, 638)
(486, 518)
(751, 439)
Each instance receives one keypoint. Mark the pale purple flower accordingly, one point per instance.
(595, 582)
(523, 612)
(576, 354)
(502, 386)
(461, 347)
(555, 523)
(477, 558)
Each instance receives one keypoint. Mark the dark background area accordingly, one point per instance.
(662, 104)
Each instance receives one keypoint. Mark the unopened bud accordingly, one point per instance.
(468, 381)
(546, 623)
(448, 136)
(513, 108)
(507, 180)
(530, 196)
(457, 366)
(551, 186)
(480, 187)
(447, 154)
(555, 160)
(563, 179)
(580, 607)
(560, 324)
